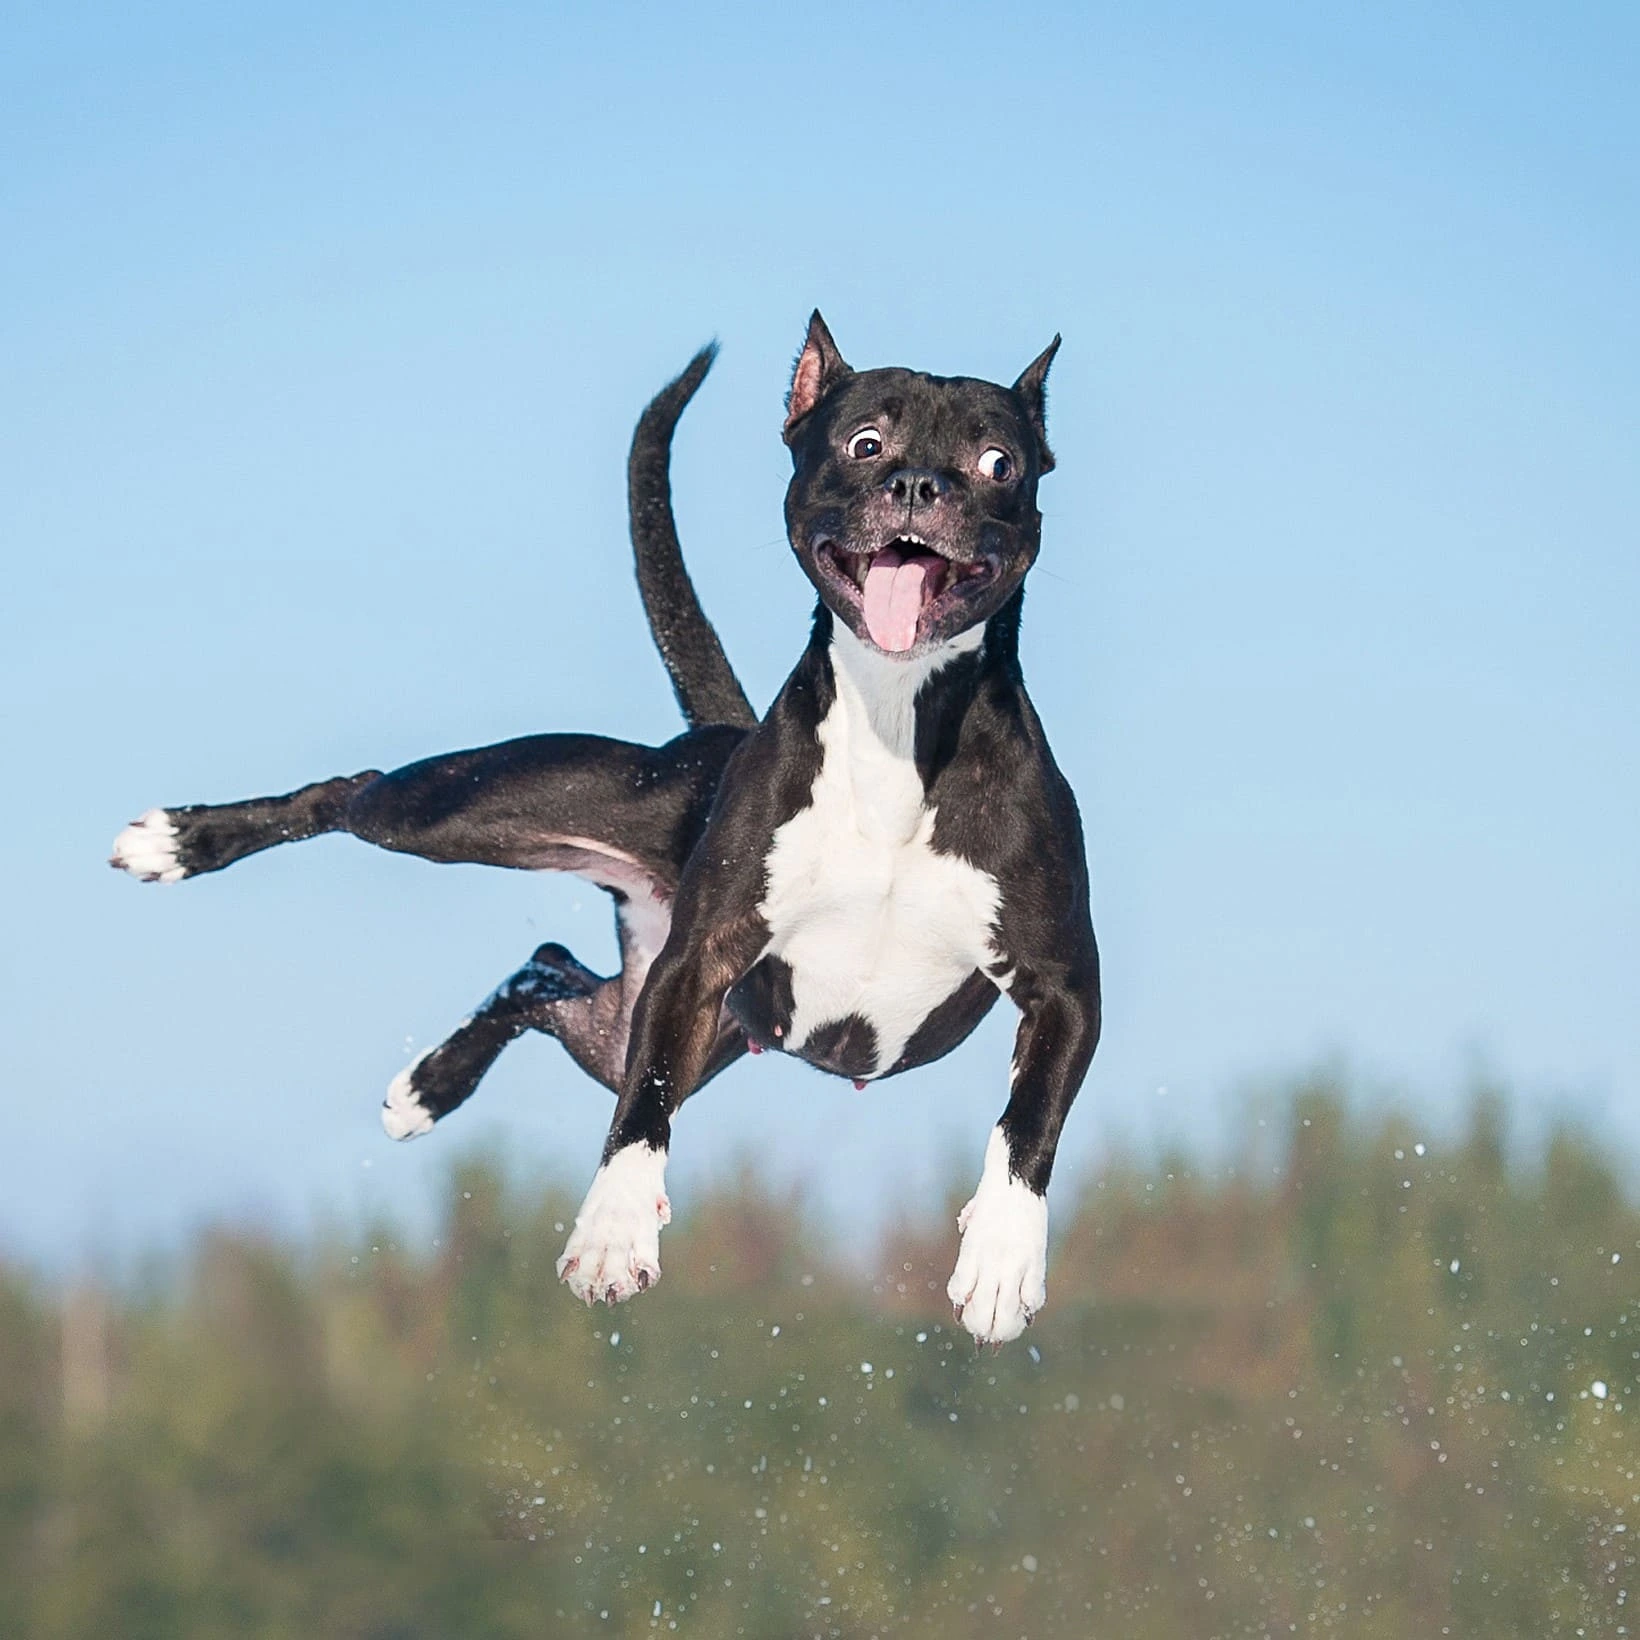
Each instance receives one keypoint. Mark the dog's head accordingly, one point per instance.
(912, 505)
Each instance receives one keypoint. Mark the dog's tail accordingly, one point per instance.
(702, 679)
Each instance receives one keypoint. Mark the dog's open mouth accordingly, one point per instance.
(900, 584)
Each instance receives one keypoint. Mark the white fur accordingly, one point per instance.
(403, 1113)
(646, 918)
(614, 1250)
(147, 848)
(870, 918)
(1000, 1281)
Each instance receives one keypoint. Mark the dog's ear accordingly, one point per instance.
(1032, 388)
(819, 369)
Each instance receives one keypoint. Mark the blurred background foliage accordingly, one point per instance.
(1357, 1383)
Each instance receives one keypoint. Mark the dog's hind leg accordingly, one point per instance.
(624, 817)
(561, 802)
(553, 993)
(166, 845)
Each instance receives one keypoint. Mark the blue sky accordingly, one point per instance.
(323, 334)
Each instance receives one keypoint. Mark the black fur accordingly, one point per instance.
(680, 835)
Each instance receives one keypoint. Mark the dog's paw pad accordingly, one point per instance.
(148, 849)
(1000, 1280)
(403, 1113)
(614, 1250)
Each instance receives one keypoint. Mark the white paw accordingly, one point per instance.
(147, 848)
(403, 1113)
(614, 1250)
(1001, 1277)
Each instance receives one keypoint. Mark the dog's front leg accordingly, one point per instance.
(1000, 1281)
(614, 1249)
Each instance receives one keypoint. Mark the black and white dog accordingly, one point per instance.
(853, 880)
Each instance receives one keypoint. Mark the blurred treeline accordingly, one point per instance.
(1357, 1384)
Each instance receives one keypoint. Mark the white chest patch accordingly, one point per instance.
(869, 917)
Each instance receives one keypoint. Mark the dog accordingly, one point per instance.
(854, 879)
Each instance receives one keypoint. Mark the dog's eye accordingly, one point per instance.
(997, 464)
(865, 444)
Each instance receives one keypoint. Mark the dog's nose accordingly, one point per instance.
(915, 487)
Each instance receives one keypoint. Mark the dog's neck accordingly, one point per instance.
(879, 694)
(869, 736)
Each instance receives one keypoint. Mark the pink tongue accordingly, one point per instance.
(894, 589)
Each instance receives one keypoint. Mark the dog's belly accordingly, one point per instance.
(870, 940)
(761, 1004)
